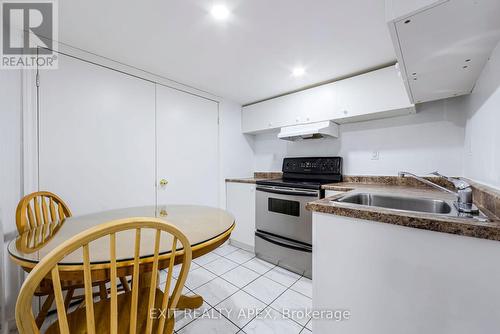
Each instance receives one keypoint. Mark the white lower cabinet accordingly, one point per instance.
(395, 279)
(240, 201)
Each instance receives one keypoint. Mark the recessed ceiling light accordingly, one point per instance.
(220, 12)
(298, 71)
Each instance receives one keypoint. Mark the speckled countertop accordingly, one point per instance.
(489, 229)
(244, 180)
(256, 177)
(486, 198)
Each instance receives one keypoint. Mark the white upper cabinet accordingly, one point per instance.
(442, 46)
(376, 94)
(312, 105)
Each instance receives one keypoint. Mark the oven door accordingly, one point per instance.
(282, 211)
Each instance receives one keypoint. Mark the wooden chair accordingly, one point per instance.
(40, 208)
(41, 214)
(121, 313)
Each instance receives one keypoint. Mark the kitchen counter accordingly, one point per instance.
(426, 221)
(244, 180)
(258, 176)
(395, 274)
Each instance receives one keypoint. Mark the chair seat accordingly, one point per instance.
(77, 319)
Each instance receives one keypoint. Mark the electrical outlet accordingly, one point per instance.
(375, 155)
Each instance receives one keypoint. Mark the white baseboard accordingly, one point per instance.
(242, 245)
(10, 327)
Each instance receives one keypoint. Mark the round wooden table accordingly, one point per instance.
(205, 227)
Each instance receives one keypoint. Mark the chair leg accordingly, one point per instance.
(169, 328)
(189, 302)
(47, 304)
(103, 292)
(124, 282)
(69, 297)
(145, 279)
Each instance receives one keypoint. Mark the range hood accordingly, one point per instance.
(309, 131)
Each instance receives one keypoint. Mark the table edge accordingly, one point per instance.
(197, 250)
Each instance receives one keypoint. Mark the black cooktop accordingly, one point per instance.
(293, 183)
(308, 173)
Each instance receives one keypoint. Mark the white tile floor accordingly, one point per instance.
(244, 295)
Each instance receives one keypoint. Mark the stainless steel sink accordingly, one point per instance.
(415, 204)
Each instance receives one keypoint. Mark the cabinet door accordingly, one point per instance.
(373, 95)
(311, 105)
(241, 203)
(96, 137)
(260, 117)
(362, 96)
(187, 148)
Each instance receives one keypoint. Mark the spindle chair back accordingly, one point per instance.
(132, 311)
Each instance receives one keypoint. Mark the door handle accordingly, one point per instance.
(163, 182)
(283, 242)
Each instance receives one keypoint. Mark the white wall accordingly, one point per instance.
(10, 146)
(236, 149)
(482, 136)
(432, 139)
(236, 159)
(10, 172)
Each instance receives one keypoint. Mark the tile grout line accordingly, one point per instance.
(305, 327)
(299, 291)
(267, 305)
(219, 276)
(241, 289)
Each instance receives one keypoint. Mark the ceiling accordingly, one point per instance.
(247, 58)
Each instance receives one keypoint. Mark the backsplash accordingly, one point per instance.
(432, 139)
(267, 175)
(397, 181)
(486, 197)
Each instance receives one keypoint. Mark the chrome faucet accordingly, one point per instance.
(464, 191)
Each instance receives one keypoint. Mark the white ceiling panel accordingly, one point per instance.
(250, 56)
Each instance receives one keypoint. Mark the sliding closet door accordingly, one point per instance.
(187, 148)
(96, 137)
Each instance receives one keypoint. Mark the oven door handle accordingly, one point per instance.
(288, 192)
(283, 243)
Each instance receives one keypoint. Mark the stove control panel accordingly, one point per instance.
(326, 165)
